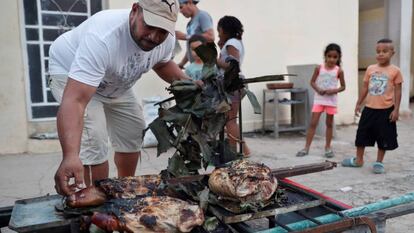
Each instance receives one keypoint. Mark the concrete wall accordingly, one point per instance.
(371, 28)
(374, 25)
(13, 117)
(412, 61)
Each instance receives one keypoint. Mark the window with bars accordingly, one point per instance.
(44, 21)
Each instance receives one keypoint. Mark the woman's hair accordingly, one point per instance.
(231, 26)
(336, 48)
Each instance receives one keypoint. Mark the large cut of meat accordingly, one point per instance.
(130, 187)
(243, 181)
(150, 214)
(125, 187)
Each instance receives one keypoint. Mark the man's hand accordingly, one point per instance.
(199, 83)
(394, 115)
(181, 65)
(358, 110)
(70, 167)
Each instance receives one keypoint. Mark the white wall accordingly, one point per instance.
(286, 32)
(280, 33)
(13, 117)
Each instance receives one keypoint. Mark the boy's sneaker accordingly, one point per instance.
(378, 168)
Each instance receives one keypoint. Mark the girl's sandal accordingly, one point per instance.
(329, 153)
(302, 153)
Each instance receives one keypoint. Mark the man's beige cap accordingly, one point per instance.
(160, 13)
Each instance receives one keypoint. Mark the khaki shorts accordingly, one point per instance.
(119, 119)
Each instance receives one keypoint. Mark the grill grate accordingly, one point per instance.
(301, 204)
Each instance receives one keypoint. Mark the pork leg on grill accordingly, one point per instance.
(125, 187)
(150, 214)
(244, 181)
(90, 196)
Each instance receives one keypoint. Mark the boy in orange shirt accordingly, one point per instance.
(382, 91)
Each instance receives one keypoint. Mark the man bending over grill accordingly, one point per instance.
(92, 70)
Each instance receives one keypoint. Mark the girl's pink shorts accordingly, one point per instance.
(331, 110)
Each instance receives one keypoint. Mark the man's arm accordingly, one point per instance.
(70, 124)
(209, 35)
(169, 71)
(183, 61)
(180, 35)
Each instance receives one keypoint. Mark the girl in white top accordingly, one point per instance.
(230, 31)
(325, 83)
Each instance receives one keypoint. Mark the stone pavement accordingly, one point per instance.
(31, 175)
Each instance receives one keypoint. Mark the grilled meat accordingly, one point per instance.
(150, 214)
(243, 181)
(126, 187)
(131, 186)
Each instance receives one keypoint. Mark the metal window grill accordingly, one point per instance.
(44, 21)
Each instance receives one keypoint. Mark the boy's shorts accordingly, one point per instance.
(331, 110)
(119, 119)
(375, 126)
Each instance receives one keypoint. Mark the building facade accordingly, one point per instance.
(275, 37)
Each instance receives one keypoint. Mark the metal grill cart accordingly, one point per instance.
(305, 210)
(302, 209)
(308, 211)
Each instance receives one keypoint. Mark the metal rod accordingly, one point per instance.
(342, 225)
(332, 210)
(240, 123)
(301, 213)
(303, 169)
(242, 227)
(279, 172)
(288, 229)
(221, 147)
(266, 78)
(272, 221)
(264, 213)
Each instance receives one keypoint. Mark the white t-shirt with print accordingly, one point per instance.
(101, 52)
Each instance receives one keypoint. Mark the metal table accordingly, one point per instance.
(299, 106)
